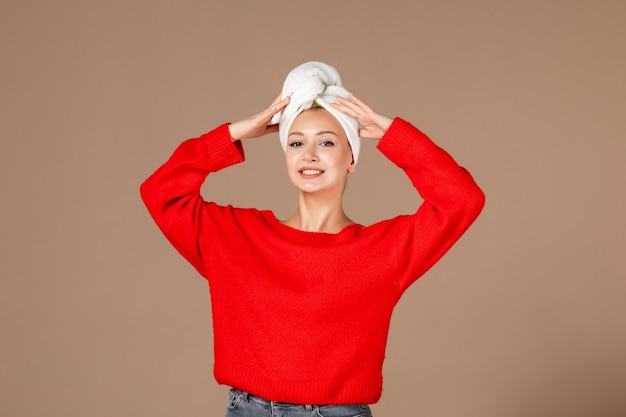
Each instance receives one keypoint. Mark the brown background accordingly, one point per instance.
(525, 316)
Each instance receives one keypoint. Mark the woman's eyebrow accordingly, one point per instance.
(323, 132)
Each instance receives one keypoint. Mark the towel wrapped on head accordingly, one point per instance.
(310, 83)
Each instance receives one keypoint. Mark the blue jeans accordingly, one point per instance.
(242, 404)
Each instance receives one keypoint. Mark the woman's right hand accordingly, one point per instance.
(257, 125)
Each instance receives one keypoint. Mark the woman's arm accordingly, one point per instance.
(452, 200)
(172, 192)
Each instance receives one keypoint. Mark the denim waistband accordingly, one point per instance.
(251, 397)
(237, 396)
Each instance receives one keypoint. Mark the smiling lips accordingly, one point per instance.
(310, 172)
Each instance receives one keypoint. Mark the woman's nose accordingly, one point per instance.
(310, 154)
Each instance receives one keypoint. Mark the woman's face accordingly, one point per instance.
(318, 154)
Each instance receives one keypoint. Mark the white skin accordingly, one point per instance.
(318, 157)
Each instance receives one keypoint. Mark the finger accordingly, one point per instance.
(280, 99)
(277, 100)
(362, 110)
(367, 133)
(359, 102)
(344, 101)
(344, 104)
(279, 104)
(272, 128)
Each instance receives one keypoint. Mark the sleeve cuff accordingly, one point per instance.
(397, 140)
(221, 149)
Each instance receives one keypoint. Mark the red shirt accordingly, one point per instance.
(303, 317)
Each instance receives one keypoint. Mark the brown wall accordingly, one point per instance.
(525, 316)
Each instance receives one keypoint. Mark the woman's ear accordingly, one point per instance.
(351, 167)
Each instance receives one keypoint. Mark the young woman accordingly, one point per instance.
(301, 306)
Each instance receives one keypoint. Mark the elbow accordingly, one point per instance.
(148, 193)
(144, 192)
(478, 201)
(473, 204)
(468, 205)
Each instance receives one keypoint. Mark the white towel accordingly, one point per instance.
(315, 82)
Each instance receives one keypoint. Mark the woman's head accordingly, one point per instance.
(315, 84)
(318, 154)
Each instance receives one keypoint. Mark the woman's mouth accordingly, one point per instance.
(308, 172)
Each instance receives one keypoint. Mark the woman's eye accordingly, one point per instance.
(328, 143)
(295, 144)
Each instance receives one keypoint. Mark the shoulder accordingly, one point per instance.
(389, 227)
(234, 212)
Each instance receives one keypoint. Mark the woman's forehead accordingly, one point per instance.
(315, 121)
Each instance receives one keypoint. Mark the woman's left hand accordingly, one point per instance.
(373, 125)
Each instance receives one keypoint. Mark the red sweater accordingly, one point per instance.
(303, 317)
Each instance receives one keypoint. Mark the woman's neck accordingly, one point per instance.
(318, 215)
